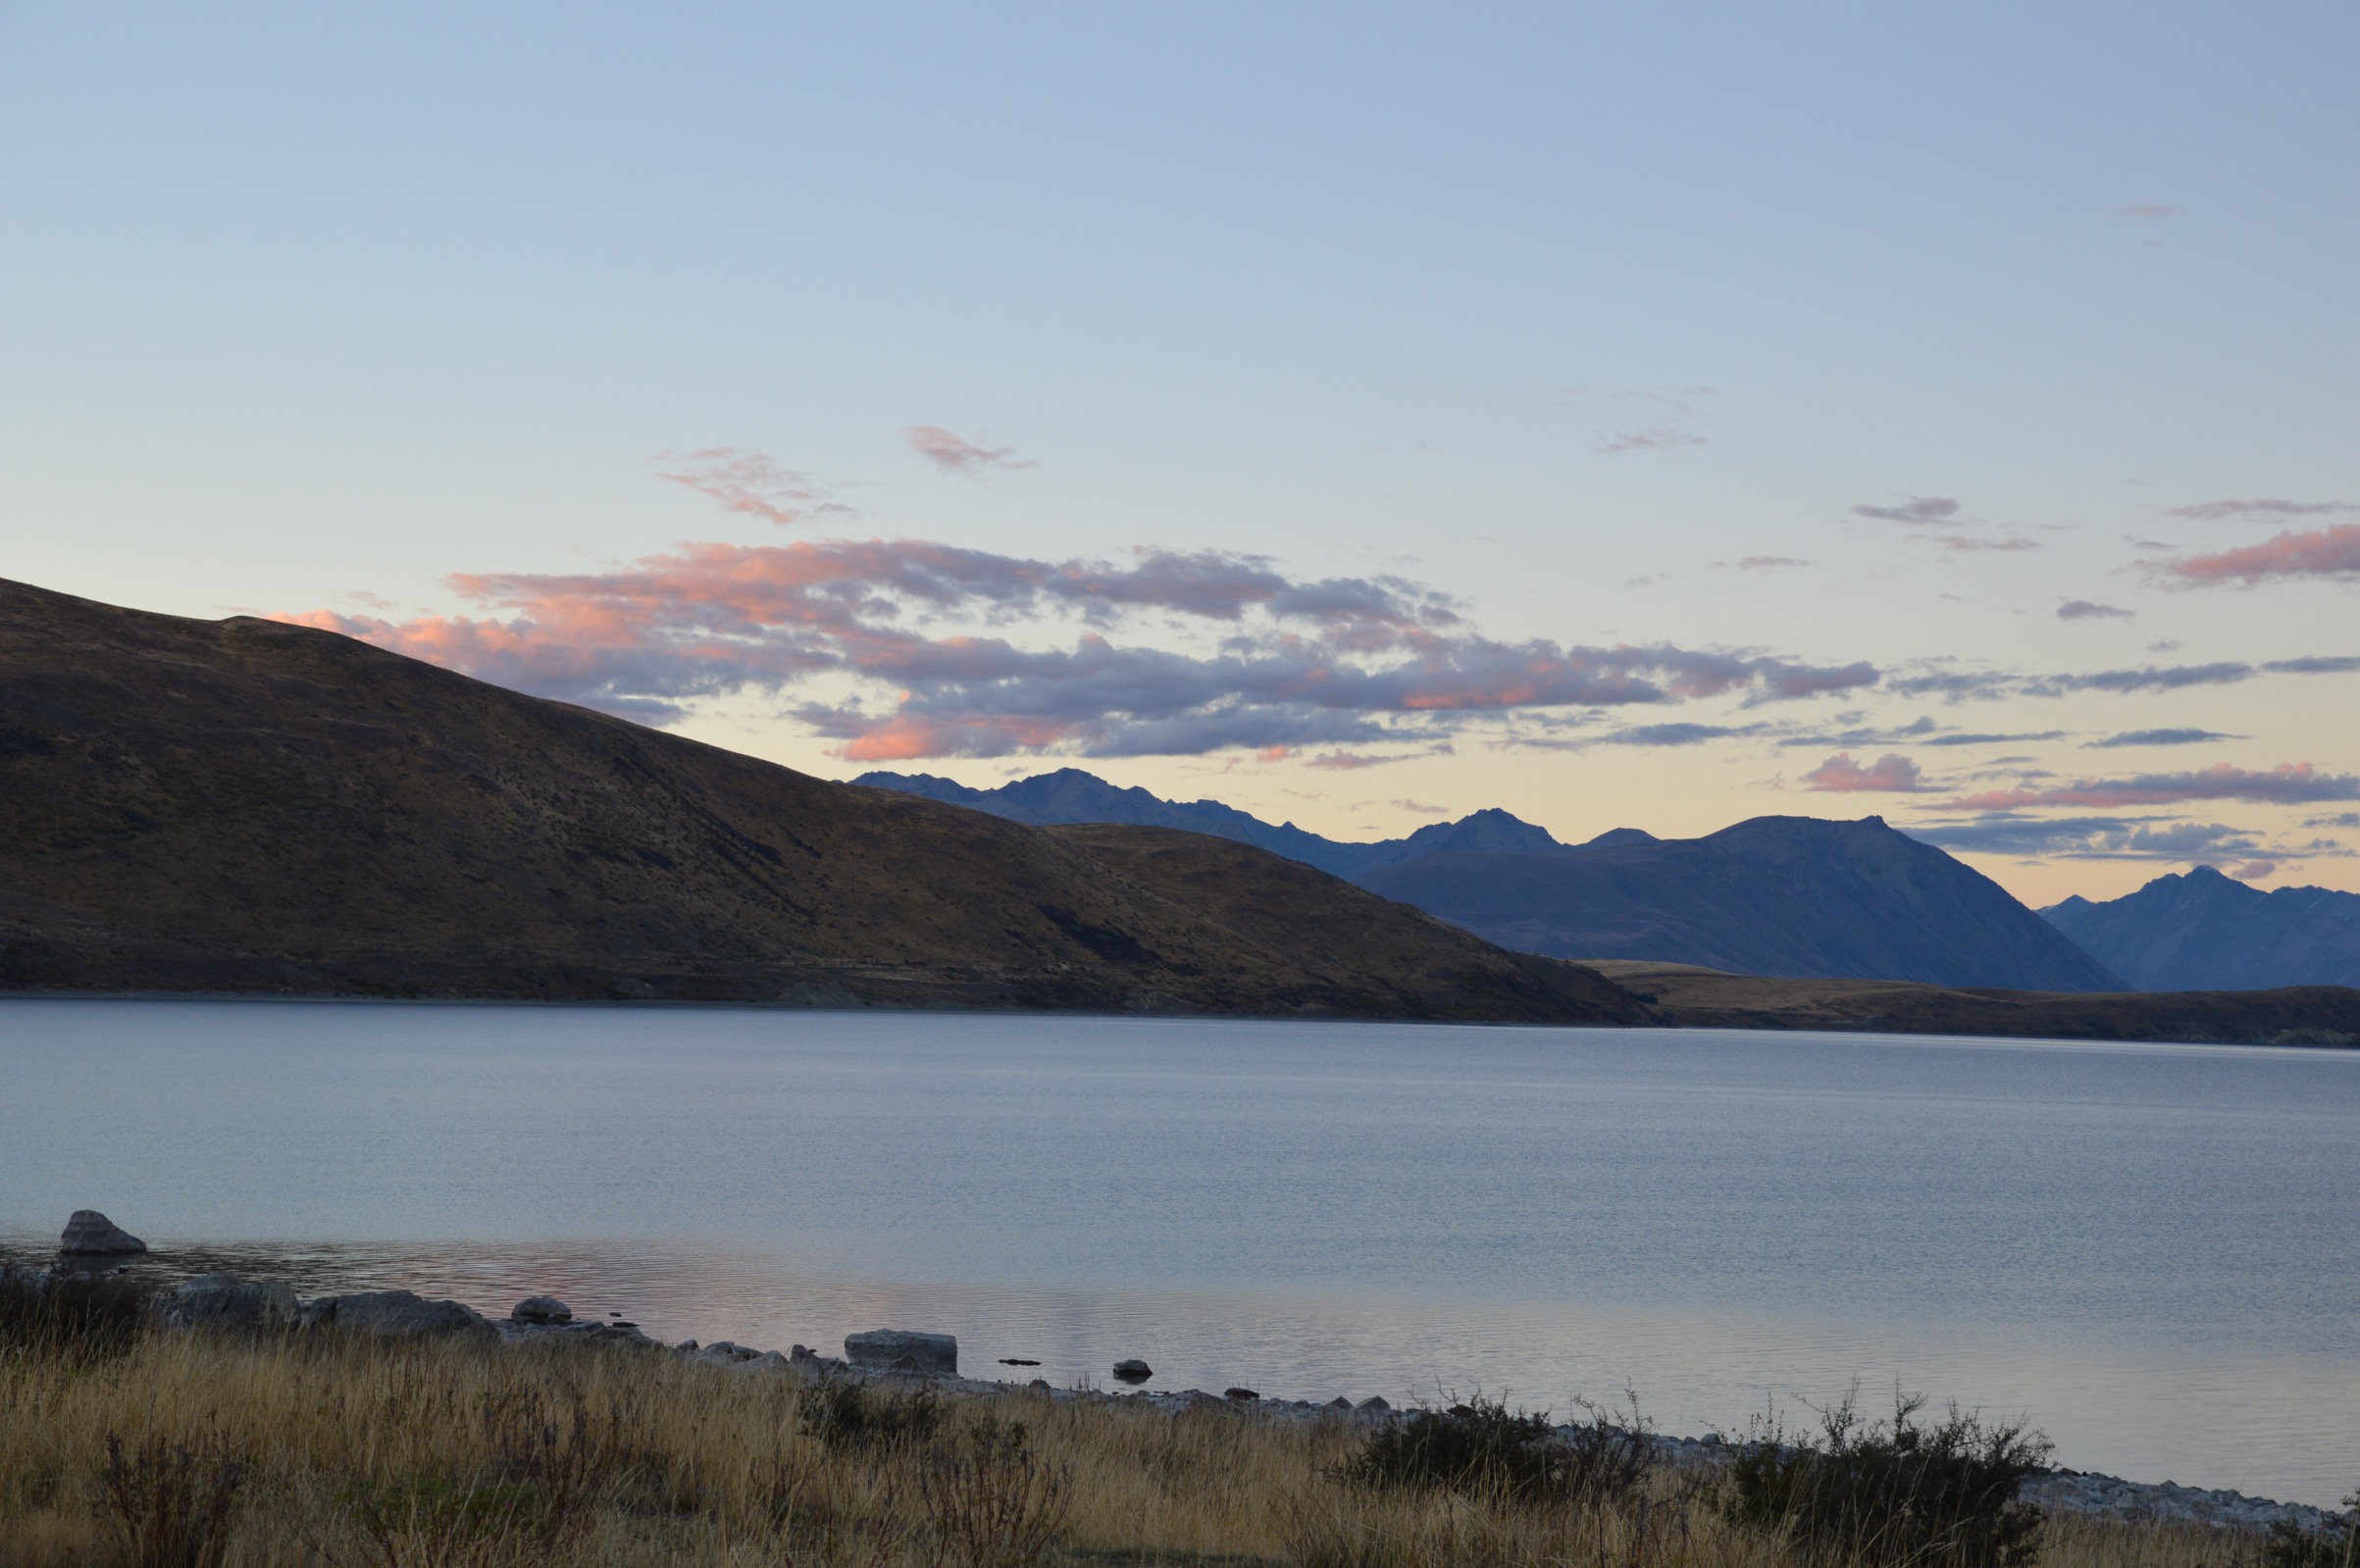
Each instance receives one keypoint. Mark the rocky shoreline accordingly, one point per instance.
(902, 1358)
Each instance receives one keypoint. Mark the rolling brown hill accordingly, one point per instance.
(243, 806)
(1696, 998)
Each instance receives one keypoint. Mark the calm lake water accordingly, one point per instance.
(2152, 1251)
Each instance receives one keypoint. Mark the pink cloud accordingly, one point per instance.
(1290, 663)
(2330, 552)
(1840, 775)
(753, 483)
(955, 454)
(1345, 761)
(2256, 871)
(2287, 784)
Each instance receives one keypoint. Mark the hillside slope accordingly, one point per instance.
(246, 806)
(2204, 931)
(1776, 896)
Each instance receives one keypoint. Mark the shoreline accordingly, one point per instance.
(229, 1300)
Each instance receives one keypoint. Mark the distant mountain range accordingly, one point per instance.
(2204, 931)
(1070, 795)
(1778, 896)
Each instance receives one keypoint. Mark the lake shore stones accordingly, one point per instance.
(902, 1350)
(394, 1315)
(230, 1303)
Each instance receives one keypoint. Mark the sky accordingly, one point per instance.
(1363, 414)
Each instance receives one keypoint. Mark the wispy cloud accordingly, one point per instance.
(1934, 679)
(2162, 737)
(1675, 734)
(2087, 837)
(2146, 209)
(1917, 509)
(1668, 434)
(1891, 773)
(1770, 563)
(2086, 610)
(1671, 428)
(2270, 507)
(955, 454)
(2330, 553)
(1977, 543)
(751, 483)
(2287, 784)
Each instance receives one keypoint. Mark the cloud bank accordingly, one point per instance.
(914, 636)
(2329, 553)
(2287, 784)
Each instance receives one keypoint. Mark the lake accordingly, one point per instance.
(2151, 1251)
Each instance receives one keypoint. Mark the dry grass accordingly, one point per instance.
(452, 1456)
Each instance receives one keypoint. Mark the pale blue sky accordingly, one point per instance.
(1543, 308)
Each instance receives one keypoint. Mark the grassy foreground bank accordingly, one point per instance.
(192, 1449)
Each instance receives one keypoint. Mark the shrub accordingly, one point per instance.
(989, 1501)
(846, 1416)
(171, 1503)
(68, 1314)
(2336, 1545)
(1483, 1446)
(1896, 1494)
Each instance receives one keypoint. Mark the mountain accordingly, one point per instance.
(242, 805)
(1070, 795)
(1777, 895)
(2210, 932)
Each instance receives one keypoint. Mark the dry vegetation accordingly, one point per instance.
(172, 1449)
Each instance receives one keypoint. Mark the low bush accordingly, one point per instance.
(2334, 1546)
(1483, 1447)
(990, 1501)
(171, 1503)
(1895, 1494)
(68, 1314)
(849, 1416)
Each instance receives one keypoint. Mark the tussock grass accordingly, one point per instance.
(332, 1452)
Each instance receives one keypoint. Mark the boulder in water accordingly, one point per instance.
(90, 1234)
(884, 1350)
(1133, 1369)
(541, 1309)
